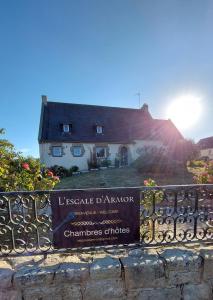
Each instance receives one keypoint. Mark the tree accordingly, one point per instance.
(20, 173)
(184, 150)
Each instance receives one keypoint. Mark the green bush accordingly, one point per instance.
(197, 164)
(206, 176)
(61, 171)
(106, 163)
(74, 169)
(158, 163)
(20, 173)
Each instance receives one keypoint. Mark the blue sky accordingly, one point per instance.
(102, 52)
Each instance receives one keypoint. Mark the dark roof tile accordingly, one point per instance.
(121, 125)
(206, 143)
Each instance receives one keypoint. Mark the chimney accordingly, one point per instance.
(145, 108)
(44, 99)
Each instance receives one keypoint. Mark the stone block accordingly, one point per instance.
(136, 252)
(35, 276)
(175, 277)
(24, 261)
(181, 260)
(72, 273)
(54, 292)
(182, 266)
(197, 292)
(6, 274)
(10, 294)
(106, 289)
(146, 271)
(106, 267)
(207, 255)
(158, 294)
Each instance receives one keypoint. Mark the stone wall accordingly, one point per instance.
(163, 273)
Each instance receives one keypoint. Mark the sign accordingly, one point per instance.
(85, 218)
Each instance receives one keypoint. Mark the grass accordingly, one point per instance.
(125, 177)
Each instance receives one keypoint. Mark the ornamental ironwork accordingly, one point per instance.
(168, 215)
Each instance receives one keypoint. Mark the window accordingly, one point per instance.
(77, 151)
(57, 151)
(66, 128)
(99, 129)
(100, 152)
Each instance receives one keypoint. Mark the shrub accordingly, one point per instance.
(197, 164)
(60, 171)
(105, 163)
(183, 150)
(150, 195)
(147, 198)
(20, 173)
(74, 169)
(157, 162)
(206, 176)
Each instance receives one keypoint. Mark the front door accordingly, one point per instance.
(124, 156)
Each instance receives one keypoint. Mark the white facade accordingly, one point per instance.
(67, 159)
(207, 152)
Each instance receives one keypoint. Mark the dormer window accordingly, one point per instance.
(99, 129)
(66, 128)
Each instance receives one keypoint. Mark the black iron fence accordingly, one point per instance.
(168, 215)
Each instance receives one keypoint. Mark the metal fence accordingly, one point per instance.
(168, 215)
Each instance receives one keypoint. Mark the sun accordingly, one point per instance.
(185, 111)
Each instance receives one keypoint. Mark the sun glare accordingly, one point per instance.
(185, 111)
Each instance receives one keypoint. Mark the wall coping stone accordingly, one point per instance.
(131, 274)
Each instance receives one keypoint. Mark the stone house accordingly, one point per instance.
(76, 134)
(206, 147)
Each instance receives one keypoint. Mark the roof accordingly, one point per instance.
(121, 125)
(206, 143)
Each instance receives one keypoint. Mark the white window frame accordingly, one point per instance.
(99, 129)
(79, 148)
(55, 154)
(100, 147)
(66, 128)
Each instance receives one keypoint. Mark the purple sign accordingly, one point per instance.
(85, 218)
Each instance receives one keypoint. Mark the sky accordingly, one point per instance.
(103, 52)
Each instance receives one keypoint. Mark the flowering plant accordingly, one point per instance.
(20, 173)
(206, 176)
(149, 182)
(148, 196)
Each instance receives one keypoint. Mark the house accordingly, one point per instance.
(206, 147)
(76, 134)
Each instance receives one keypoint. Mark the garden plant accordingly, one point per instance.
(20, 173)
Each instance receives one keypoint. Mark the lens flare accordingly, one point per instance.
(185, 111)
